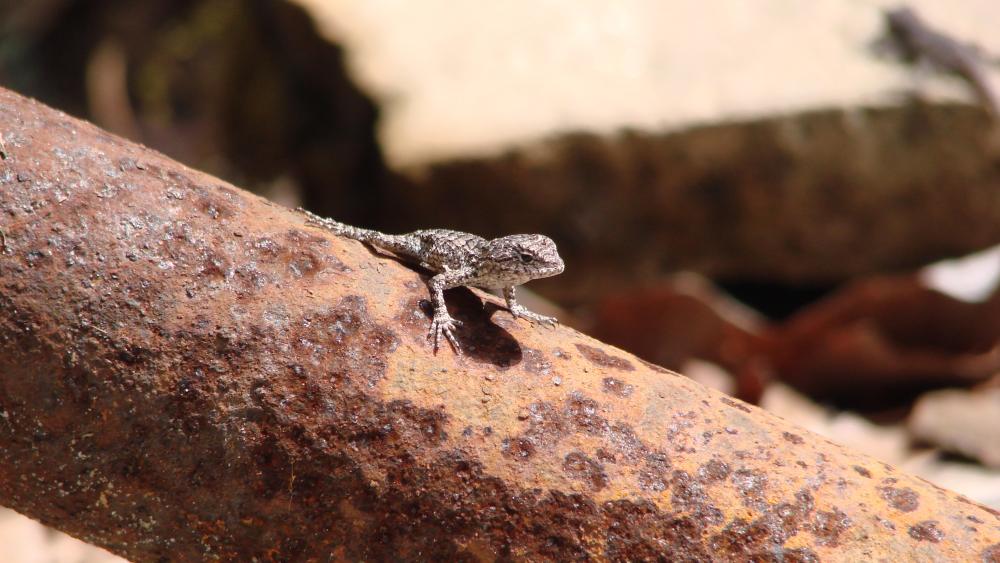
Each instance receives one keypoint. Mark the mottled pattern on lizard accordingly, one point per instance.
(459, 258)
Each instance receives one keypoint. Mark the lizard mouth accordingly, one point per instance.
(518, 278)
(553, 270)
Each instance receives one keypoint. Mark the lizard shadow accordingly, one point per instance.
(479, 337)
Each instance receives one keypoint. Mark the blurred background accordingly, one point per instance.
(793, 202)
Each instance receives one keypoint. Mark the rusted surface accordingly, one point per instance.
(190, 373)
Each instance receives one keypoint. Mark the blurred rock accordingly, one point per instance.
(523, 71)
(878, 342)
(886, 442)
(710, 375)
(684, 323)
(966, 422)
(23, 540)
(675, 319)
(981, 484)
(970, 278)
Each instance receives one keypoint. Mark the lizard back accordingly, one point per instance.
(442, 249)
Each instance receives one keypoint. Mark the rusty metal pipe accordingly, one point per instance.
(189, 372)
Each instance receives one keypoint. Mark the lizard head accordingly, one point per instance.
(516, 259)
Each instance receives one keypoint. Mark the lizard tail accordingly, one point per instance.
(338, 228)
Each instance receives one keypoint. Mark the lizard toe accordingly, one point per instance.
(445, 326)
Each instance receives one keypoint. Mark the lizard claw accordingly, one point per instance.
(444, 324)
(550, 322)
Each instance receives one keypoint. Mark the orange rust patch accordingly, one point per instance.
(581, 467)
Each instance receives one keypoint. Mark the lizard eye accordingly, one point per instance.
(526, 258)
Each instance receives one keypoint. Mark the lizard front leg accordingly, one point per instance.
(520, 311)
(442, 322)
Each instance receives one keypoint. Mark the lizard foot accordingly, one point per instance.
(523, 313)
(444, 324)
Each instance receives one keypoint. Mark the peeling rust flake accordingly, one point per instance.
(902, 499)
(617, 387)
(601, 358)
(926, 531)
(735, 404)
(793, 438)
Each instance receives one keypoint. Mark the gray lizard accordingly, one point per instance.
(459, 258)
(917, 41)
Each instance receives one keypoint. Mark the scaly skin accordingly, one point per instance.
(459, 258)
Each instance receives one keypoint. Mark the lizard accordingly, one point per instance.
(917, 41)
(462, 259)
